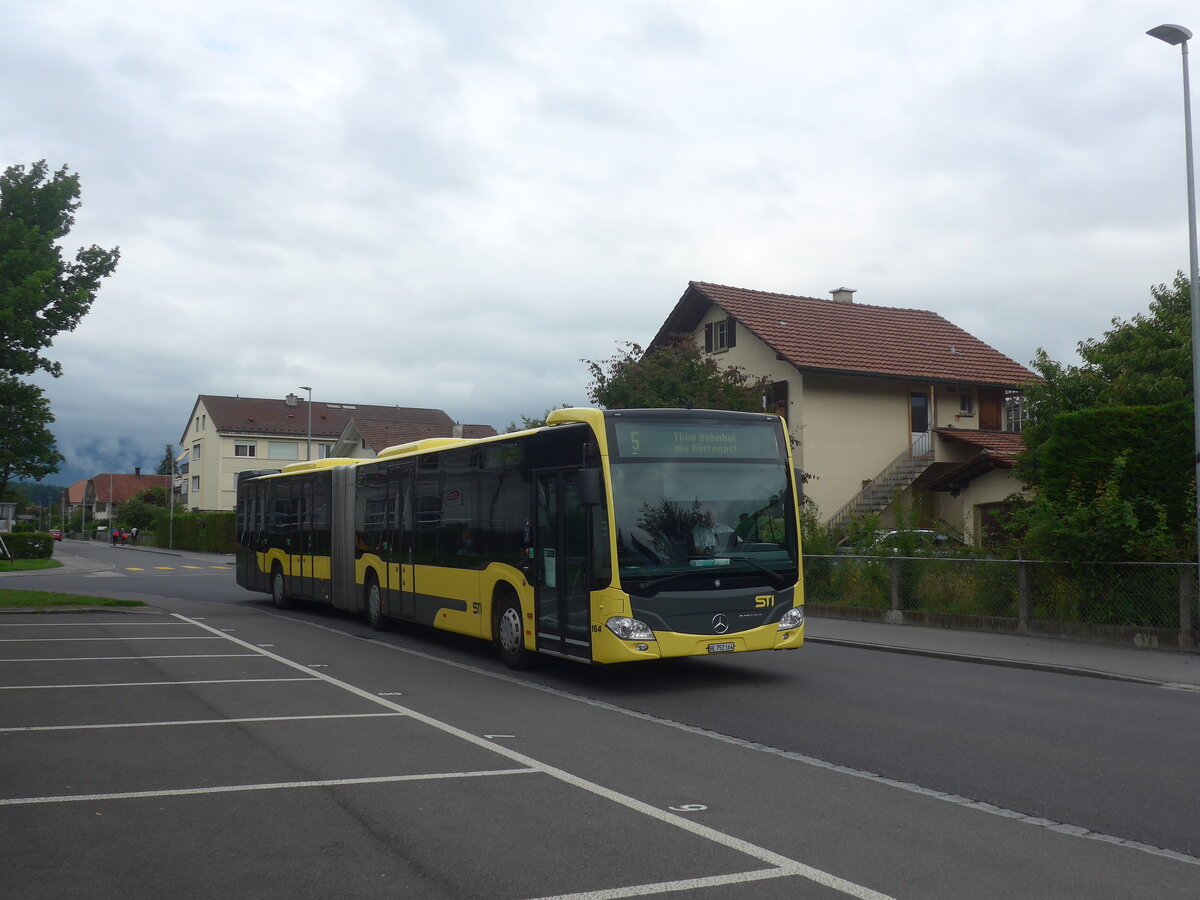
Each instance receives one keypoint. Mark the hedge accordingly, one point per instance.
(29, 545)
(211, 532)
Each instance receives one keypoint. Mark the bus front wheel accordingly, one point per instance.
(278, 590)
(374, 607)
(510, 635)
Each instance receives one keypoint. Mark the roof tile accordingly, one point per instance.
(822, 334)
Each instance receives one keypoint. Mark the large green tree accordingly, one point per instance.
(1108, 446)
(675, 375)
(27, 448)
(41, 292)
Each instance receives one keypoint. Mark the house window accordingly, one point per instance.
(195, 451)
(283, 450)
(245, 448)
(720, 335)
(324, 451)
(966, 403)
(195, 482)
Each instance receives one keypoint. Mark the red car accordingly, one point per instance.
(56, 533)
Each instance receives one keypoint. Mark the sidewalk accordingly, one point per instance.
(1046, 654)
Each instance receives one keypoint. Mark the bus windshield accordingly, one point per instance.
(689, 501)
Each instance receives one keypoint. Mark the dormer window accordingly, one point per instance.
(719, 335)
(966, 402)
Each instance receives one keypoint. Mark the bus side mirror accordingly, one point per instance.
(589, 487)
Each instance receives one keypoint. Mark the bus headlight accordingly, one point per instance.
(629, 629)
(793, 618)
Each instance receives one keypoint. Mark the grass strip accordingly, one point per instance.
(51, 598)
(28, 565)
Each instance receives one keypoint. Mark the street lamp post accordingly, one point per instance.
(1178, 35)
(308, 448)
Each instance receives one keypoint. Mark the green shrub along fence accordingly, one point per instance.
(29, 545)
(1126, 595)
(213, 532)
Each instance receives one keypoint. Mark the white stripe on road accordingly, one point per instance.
(103, 725)
(114, 658)
(64, 640)
(777, 861)
(237, 788)
(44, 687)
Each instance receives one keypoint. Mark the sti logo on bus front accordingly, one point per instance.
(764, 601)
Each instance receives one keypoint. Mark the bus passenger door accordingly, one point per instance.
(561, 602)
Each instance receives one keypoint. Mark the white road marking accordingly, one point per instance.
(160, 624)
(41, 687)
(977, 805)
(236, 788)
(112, 658)
(778, 861)
(666, 887)
(64, 640)
(169, 723)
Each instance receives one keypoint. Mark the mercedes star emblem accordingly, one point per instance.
(720, 624)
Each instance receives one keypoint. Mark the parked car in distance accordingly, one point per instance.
(56, 533)
(904, 541)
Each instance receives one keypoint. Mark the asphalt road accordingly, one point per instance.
(902, 775)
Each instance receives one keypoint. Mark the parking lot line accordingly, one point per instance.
(23, 659)
(784, 865)
(63, 640)
(42, 687)
(276, 786)
(168, 723)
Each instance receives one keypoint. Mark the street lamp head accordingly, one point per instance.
(305, 387)
(1172, 34)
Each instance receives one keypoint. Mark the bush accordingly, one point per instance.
(30, 545)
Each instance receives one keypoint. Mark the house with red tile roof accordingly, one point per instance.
(882, 403)
(228, 435)
(105, 492)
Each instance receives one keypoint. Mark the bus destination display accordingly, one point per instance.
(691, 441)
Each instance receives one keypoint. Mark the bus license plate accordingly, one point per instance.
(721, 648)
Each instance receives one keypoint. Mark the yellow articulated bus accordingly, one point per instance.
(606, 536)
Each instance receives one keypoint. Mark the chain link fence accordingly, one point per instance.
(1130, 595)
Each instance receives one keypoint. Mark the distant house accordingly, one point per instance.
(228, 435)
(882, 403)
(104, 493)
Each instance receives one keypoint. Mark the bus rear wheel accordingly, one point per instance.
(279, 591)
(373, 607)
(510, 635)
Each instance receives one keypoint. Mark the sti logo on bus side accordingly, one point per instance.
(763, 601)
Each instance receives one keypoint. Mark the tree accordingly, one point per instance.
(1108, 448)
(27, 448)
(166, 465)
(675, 375)
(41, 294)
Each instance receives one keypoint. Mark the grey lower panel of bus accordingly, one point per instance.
(423, 607)
(341, 521)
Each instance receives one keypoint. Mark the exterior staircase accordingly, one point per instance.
(881, 490)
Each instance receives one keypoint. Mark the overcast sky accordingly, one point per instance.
(451, 203)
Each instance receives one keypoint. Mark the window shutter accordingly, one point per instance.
(708, 337)
(731, 334)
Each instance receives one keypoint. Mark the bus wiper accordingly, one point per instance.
(776, 580)
(650, 588)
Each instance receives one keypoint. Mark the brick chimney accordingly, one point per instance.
(843, 295)
(137, 471)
